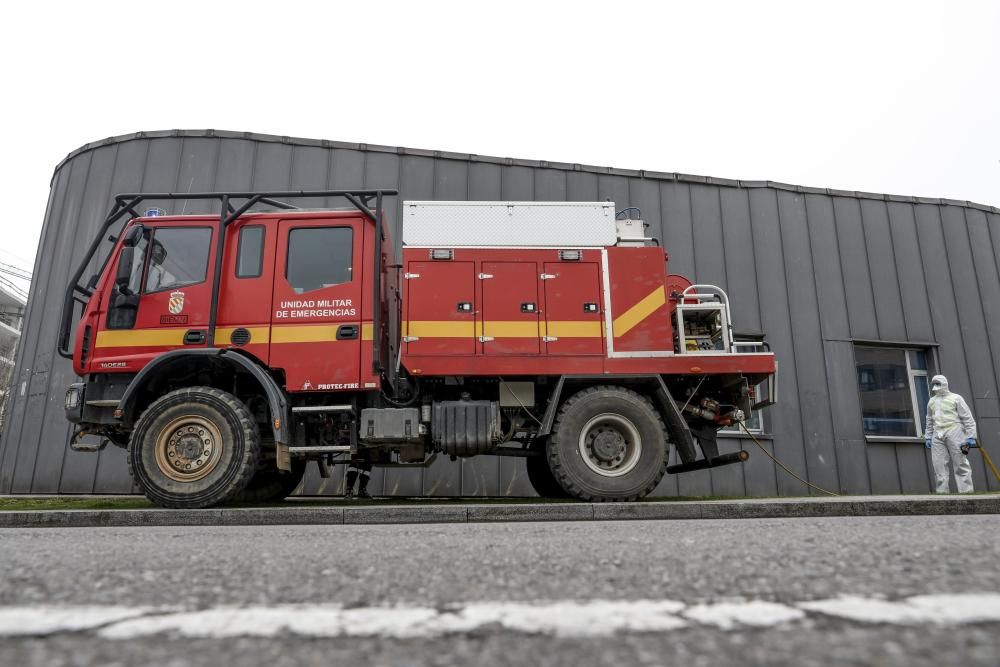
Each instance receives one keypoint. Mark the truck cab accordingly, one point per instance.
(292, 296)
(225, 351)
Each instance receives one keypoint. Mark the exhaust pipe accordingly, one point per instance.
(723, 460)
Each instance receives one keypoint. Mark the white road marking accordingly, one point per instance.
(569, 619)
(560, 618)
(50, 619)
(941, 609)
(755, 613)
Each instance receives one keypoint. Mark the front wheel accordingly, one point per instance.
(608, 444)
(194, 447)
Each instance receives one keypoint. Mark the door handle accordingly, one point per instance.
(347, 331)
(194, 337)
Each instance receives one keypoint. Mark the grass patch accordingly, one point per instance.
(35, 503)
(29, 503)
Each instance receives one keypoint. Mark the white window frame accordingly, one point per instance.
(913, 374)
(930, 350)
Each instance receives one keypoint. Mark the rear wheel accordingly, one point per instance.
(272, 484)
(541, 478)
(608, 444)
(194, 447)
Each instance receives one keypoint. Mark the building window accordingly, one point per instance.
(250, 254)
(319, 257)
(755, 423)
(894, 390)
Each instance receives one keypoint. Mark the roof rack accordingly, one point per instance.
(126, 203)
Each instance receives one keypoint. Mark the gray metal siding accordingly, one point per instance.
(815, 269)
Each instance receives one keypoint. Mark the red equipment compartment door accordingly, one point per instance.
(510, 308)
(573, 309)
(440, 308)
(316, 304)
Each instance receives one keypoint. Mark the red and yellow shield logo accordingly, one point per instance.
(176, 303)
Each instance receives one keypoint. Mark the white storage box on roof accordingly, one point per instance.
(503, 223)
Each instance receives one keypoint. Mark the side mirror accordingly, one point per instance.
(133, 235)
(124, 273)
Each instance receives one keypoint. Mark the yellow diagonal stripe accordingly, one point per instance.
(640, 311)
(140, 338)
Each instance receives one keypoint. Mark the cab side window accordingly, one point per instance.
(250, 252)
(178, 256)
(124, 303)
(319, 257)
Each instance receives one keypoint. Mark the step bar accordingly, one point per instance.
(319, 409)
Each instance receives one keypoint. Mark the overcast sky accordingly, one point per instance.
(898, 97)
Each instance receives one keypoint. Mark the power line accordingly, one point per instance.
(12, 270)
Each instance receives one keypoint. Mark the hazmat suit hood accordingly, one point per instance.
(939, 385)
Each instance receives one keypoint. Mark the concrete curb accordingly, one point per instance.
(483, 513)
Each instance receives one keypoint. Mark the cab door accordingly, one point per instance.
(165, 302)
(316, 304)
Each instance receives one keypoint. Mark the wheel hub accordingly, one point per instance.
(610, 445)
(188, 448)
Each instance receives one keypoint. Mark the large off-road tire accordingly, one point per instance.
(272, 484)
(541, 478)
(608, 443)
(194, 447)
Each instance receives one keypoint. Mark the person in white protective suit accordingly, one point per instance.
(950, 432)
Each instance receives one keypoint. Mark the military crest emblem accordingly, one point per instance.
(176, 303)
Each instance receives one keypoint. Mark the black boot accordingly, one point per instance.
(363, 485)
(349, 484)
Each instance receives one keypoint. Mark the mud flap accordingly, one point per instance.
(707, 438)
(283, 458)
(677, 427)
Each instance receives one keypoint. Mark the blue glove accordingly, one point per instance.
(971, 442)
(927, 443)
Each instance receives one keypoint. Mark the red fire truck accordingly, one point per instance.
(224, 351)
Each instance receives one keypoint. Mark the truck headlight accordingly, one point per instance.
(72, 401)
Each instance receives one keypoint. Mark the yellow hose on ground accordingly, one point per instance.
(986, 457)
(782, 465)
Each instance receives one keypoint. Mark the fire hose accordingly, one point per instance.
(781, 465)
(979, 446)
(986, 457)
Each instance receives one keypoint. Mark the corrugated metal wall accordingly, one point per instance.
(814, 269)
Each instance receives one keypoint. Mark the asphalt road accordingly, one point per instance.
(396, 569)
